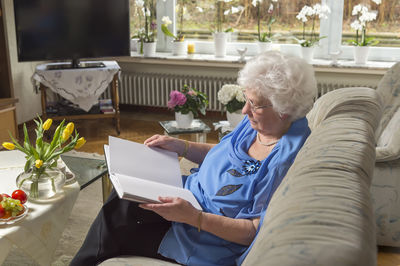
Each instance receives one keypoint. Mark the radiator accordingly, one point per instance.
(153, 89)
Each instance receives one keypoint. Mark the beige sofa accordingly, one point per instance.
(321, 214)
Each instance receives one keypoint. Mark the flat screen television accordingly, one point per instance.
(71, 29)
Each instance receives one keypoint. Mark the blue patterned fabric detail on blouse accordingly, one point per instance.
(251, 167)
(234, 173)
(228, 189)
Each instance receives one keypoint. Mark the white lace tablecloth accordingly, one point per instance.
(81, 86)
(38, 233)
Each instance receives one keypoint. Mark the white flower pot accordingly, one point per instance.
(134, 42)
(234, 118)
(361, 54)
(183, 120)
(307, 53)
(220, 40)
(263, 46)
(149, 49)
(179, 48)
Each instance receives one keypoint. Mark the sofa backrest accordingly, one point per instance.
(321, 214)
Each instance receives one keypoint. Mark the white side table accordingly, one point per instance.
(38, 233)
(198, 128)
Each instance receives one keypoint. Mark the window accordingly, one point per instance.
(199, 21)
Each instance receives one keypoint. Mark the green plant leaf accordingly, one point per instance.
(29, 163)
(166, 31)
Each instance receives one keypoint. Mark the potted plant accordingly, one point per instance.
(265, 38)
(187, 103)
(362, 43)
(41, 178)
(179, 43)
(147, 36)
(137, 39)
(231, 97)
(314, 12)
(220, 35)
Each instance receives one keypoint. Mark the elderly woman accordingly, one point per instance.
(234, 183)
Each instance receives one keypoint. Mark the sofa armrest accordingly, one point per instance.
(321, 214)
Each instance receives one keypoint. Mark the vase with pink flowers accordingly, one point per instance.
(187, 104)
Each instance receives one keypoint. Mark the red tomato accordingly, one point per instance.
(19, 195)
(2, 211)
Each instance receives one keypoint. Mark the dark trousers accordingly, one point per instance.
(122, 228)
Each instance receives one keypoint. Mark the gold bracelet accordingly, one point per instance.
(199, 218)
(185, 151)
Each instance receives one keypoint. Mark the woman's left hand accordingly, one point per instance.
(173, 209)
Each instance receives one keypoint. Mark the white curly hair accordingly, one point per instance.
(287, 81)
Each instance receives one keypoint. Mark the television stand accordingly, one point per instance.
(75, 65)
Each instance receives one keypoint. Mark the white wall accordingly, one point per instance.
(29, 104)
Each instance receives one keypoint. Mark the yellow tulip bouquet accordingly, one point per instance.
(43, 155)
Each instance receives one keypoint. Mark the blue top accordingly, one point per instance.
(231, 183)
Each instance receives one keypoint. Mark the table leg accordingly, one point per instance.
(106, 186)
(44, 102)
(201, 137)
(115, 100)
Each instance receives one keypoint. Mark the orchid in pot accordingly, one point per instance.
(137, 39)
(220, 34)
(146, 34)
(187, 103)
(179, 44)
(314, 12)
(264, 39)
(362, 43)
(231, 97)
(41, 177)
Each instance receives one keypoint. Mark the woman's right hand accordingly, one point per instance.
(167, 143)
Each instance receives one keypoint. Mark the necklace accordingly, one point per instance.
(266, 144)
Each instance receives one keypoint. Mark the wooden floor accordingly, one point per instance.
(137, 125)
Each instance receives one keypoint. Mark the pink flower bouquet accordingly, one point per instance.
(188, 100)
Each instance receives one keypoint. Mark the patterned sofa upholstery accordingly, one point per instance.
(322, 213)
(386, 181)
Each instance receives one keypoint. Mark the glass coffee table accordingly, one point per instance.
(87, 168)
(198, 128)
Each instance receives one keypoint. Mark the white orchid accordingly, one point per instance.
(264, 36)
(317, 10)
(356, 25)
(140, 3)
(166, 20)
(254, 2)
(360, 24)
(199, 9)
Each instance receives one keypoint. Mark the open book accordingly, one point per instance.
(142, 174)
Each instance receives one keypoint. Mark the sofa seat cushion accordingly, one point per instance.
(135, 260)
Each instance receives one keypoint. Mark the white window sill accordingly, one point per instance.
(231, 61)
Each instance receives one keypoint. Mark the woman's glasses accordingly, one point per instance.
(254, 107)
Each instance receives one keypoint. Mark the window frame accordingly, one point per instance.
(330, 27)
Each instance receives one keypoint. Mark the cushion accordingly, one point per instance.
(388, 147)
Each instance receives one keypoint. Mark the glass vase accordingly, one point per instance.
(41, 186)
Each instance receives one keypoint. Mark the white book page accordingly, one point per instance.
(137, 160)
(141, 190)
(114, 180)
